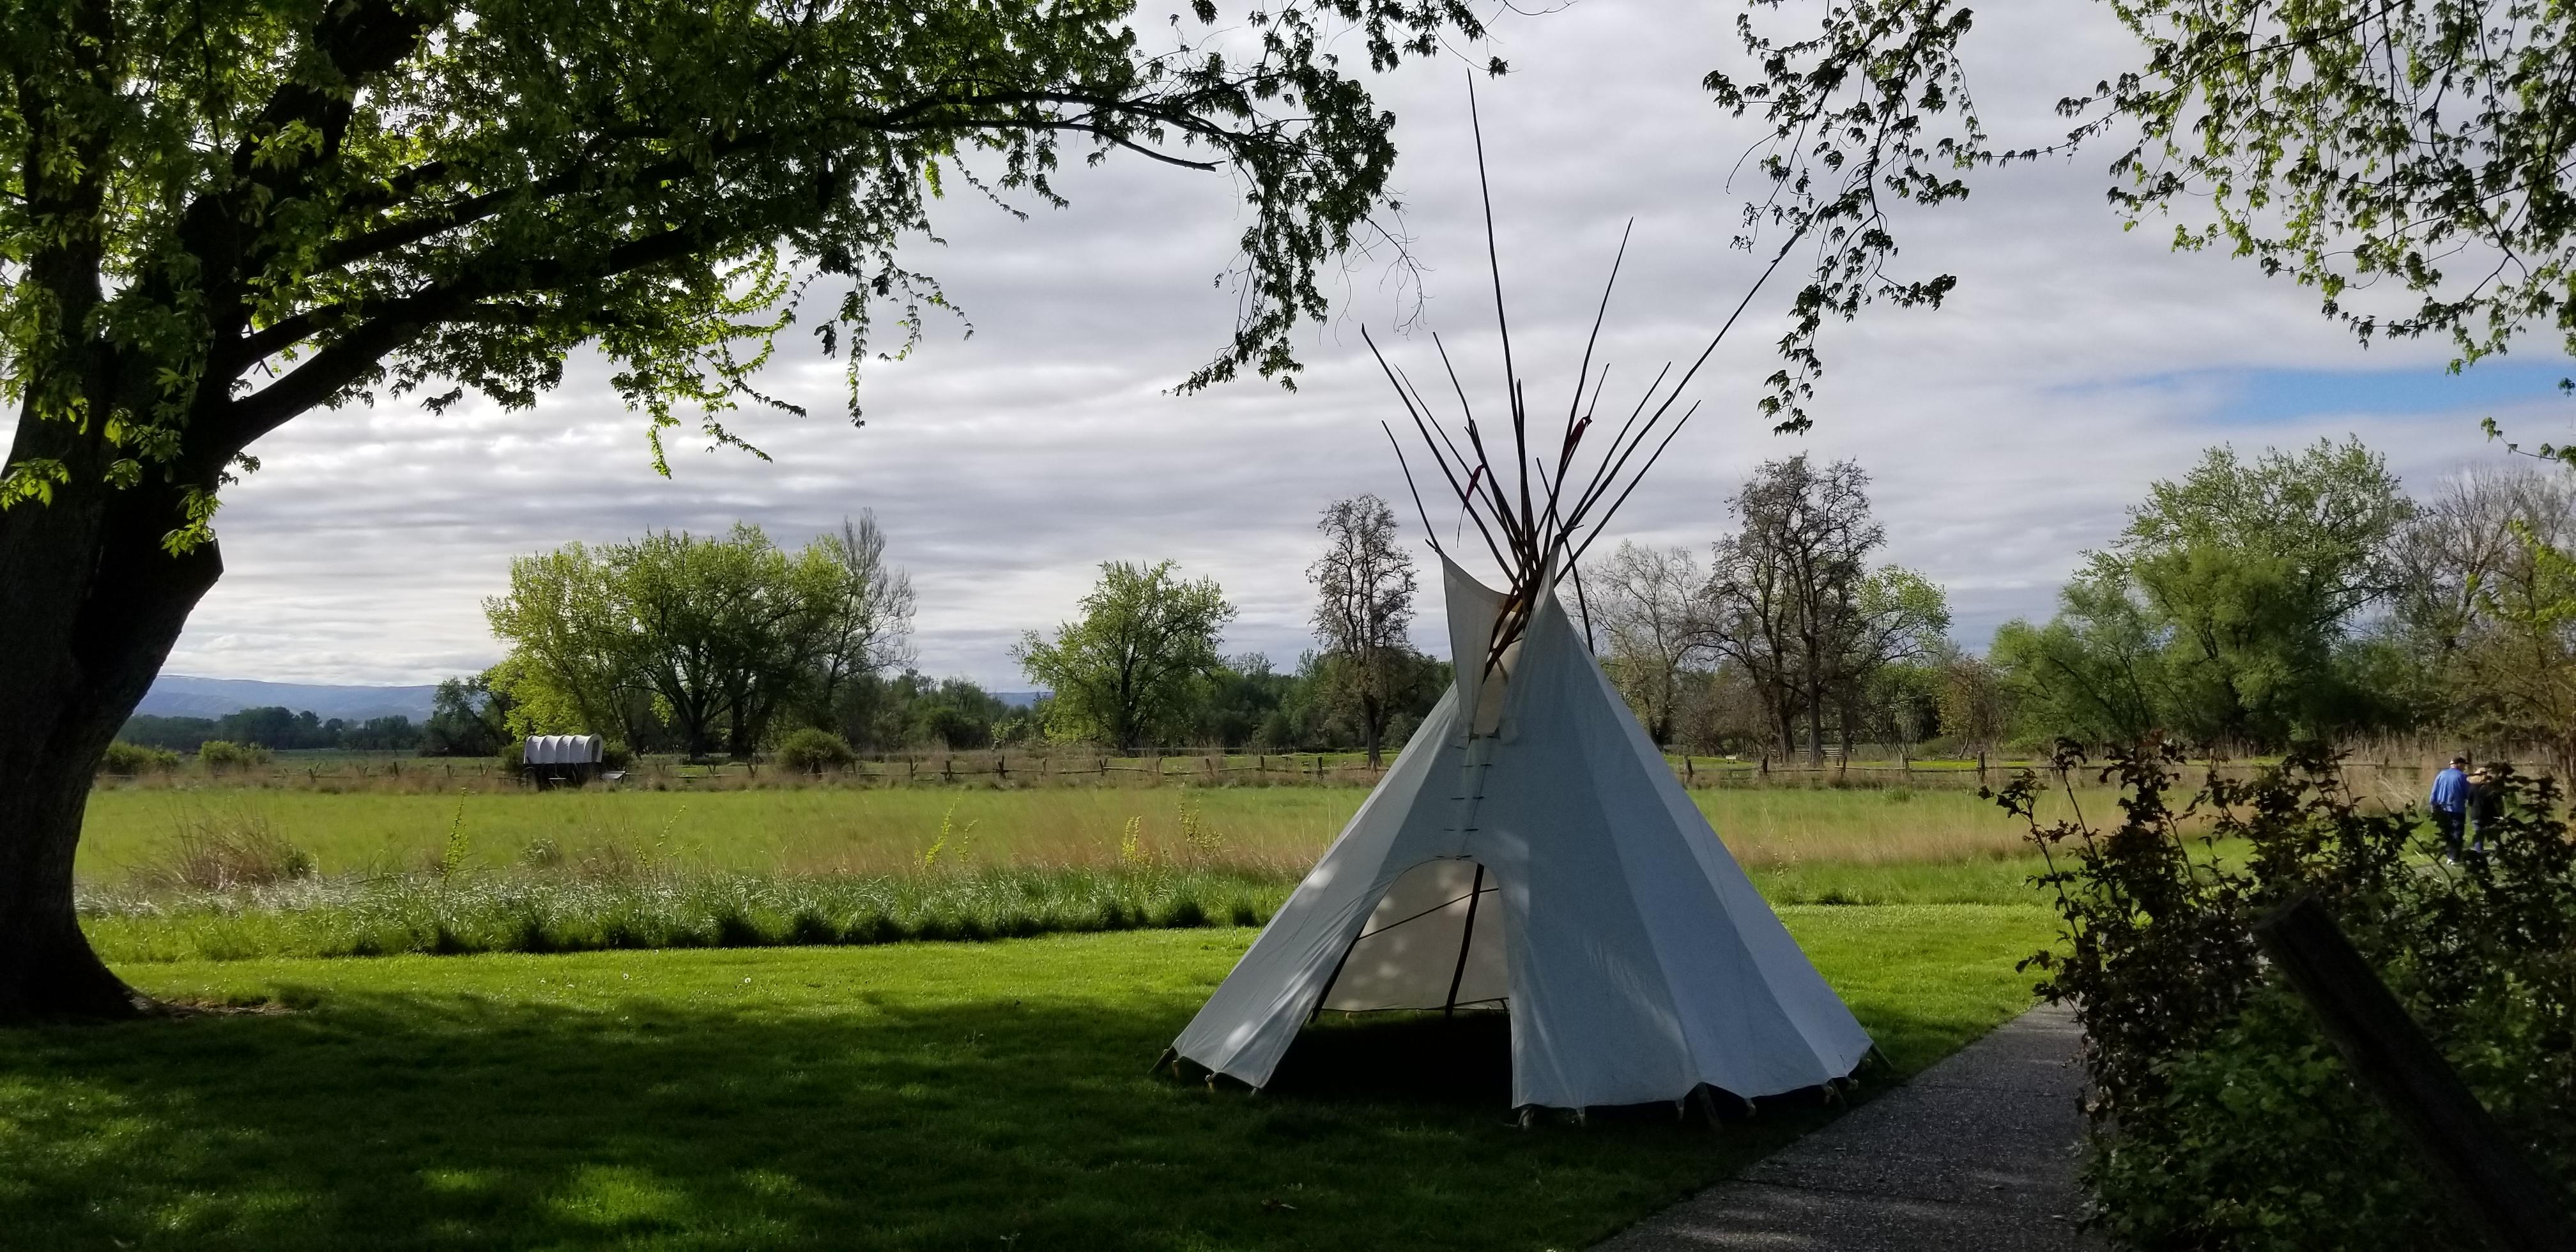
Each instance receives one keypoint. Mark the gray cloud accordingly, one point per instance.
(2006, 432)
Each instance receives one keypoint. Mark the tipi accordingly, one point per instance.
(1540, 855)
(1530, 850)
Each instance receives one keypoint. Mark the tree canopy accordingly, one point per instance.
(715, 638)
(1793, 600)
(1651, 622)
(2226, 610)
(1132, 669)
(227, 213)
(2407, 160)
(1364, 587)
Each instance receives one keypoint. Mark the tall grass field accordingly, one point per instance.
(248, 873)
(880, 830)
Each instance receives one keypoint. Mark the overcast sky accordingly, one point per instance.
(2005, 433)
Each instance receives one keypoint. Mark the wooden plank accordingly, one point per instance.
(2488, 1179)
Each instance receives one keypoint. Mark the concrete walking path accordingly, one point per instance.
(1977, 1152)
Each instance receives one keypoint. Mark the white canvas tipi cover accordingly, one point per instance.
(1531, 849)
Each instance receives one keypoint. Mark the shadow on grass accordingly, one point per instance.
(1458, 1062)
(1463, 1063)
(849, 1118)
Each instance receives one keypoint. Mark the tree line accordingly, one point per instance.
(274, 727)
(2305, 595)
(1793, 638)
(724, 645)
(2253, 602)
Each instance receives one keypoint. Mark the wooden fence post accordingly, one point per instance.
(1981, 766)
(1690, 772)
(2455, 1139)
(1002, 765)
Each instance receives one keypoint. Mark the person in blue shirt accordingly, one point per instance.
(2450, 804)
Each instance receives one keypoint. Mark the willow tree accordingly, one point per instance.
(217, 216)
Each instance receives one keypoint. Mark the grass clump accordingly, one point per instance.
(603, 901)
(224, 851)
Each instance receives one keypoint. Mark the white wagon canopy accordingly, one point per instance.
(562, 750)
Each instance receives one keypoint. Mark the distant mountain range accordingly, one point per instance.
(181, 695)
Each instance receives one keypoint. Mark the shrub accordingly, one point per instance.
(130, 759)
(220, 755)
(2220, 1115)
(616, 756)
(814, 750)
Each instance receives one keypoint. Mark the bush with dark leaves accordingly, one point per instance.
(2219, 1115)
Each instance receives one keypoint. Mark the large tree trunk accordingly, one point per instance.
(95, 603)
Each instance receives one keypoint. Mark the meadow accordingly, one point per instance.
(872, 830)
(741, 1017)
(247, 873)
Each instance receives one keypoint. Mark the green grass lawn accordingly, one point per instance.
(947, 1096)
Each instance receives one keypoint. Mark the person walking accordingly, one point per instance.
(2486, 802)
(2450, 804)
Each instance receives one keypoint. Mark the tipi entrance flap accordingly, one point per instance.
(1434, 941)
